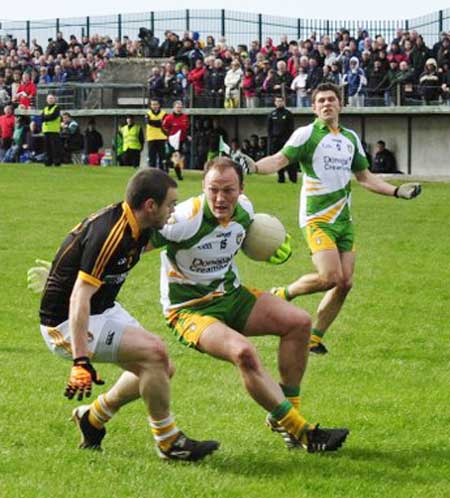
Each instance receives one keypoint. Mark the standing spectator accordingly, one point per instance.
(233, 81)
(384, 160)
(356, 82)
(249, 88)
(155, 84)
(51, 128)
(93, 142)
(72, 139)
(376, 85)
(315, 75)
(133, 142)
(419, 55)
(298, 85)
(280, 125)
(283, 81)
(26, 92)
(61, 46)
(7, 122)
(215, 84)
(173, 86)
(176, 125)
(155, 136)
(268, 88)
(405, 84)
(196, 78)
(430, 82)
(5, 97)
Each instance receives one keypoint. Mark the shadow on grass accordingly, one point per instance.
(401, 467)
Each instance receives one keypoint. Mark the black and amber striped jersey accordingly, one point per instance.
(100, 250)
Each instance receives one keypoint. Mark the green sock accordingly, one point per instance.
(317, 335)
(292, 394)
(286, 292)
(281, 410)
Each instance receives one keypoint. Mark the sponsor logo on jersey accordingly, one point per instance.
(200, 265)
(110, 337)
(239, 238)
(115, 279)
(337, 163)
(205, 246)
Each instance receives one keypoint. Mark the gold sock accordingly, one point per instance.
(100, 412)
(295, 401)
(164, 431)
(294, 423)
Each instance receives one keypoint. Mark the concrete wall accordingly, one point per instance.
(428, 152)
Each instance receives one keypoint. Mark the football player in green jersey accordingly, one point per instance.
(328, 154)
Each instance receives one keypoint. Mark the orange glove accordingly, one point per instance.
(82, 375)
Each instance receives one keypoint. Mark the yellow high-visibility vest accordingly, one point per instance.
(53, 126)
(131, 137)
(153, 132)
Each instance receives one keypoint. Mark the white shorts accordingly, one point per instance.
(104, 335)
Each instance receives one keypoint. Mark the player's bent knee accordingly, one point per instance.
(345, 285)
(247, 358)
(329, 280)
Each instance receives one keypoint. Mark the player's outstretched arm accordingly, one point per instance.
(378, 185)
(37, 275)
(271, 164)
(265, 166)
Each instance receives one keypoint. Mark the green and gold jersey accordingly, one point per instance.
(198, 263)
(328, 159)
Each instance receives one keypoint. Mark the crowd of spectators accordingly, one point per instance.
(211, 73)
(22, 140)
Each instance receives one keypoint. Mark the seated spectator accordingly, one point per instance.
(430, 83)
(253, 149)
(72, 139)
(384, 160)
(356, 82)
(33, 147)
(12, 155)
(44, 78)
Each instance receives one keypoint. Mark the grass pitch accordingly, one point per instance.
(386, 377)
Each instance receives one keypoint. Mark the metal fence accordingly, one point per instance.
(71, 96)
(236, 27)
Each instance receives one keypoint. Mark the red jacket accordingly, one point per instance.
(7, 126)
(30, 90)
(174, 122)
(196, 78)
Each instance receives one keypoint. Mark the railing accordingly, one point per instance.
(72, 96)
(236, 27)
